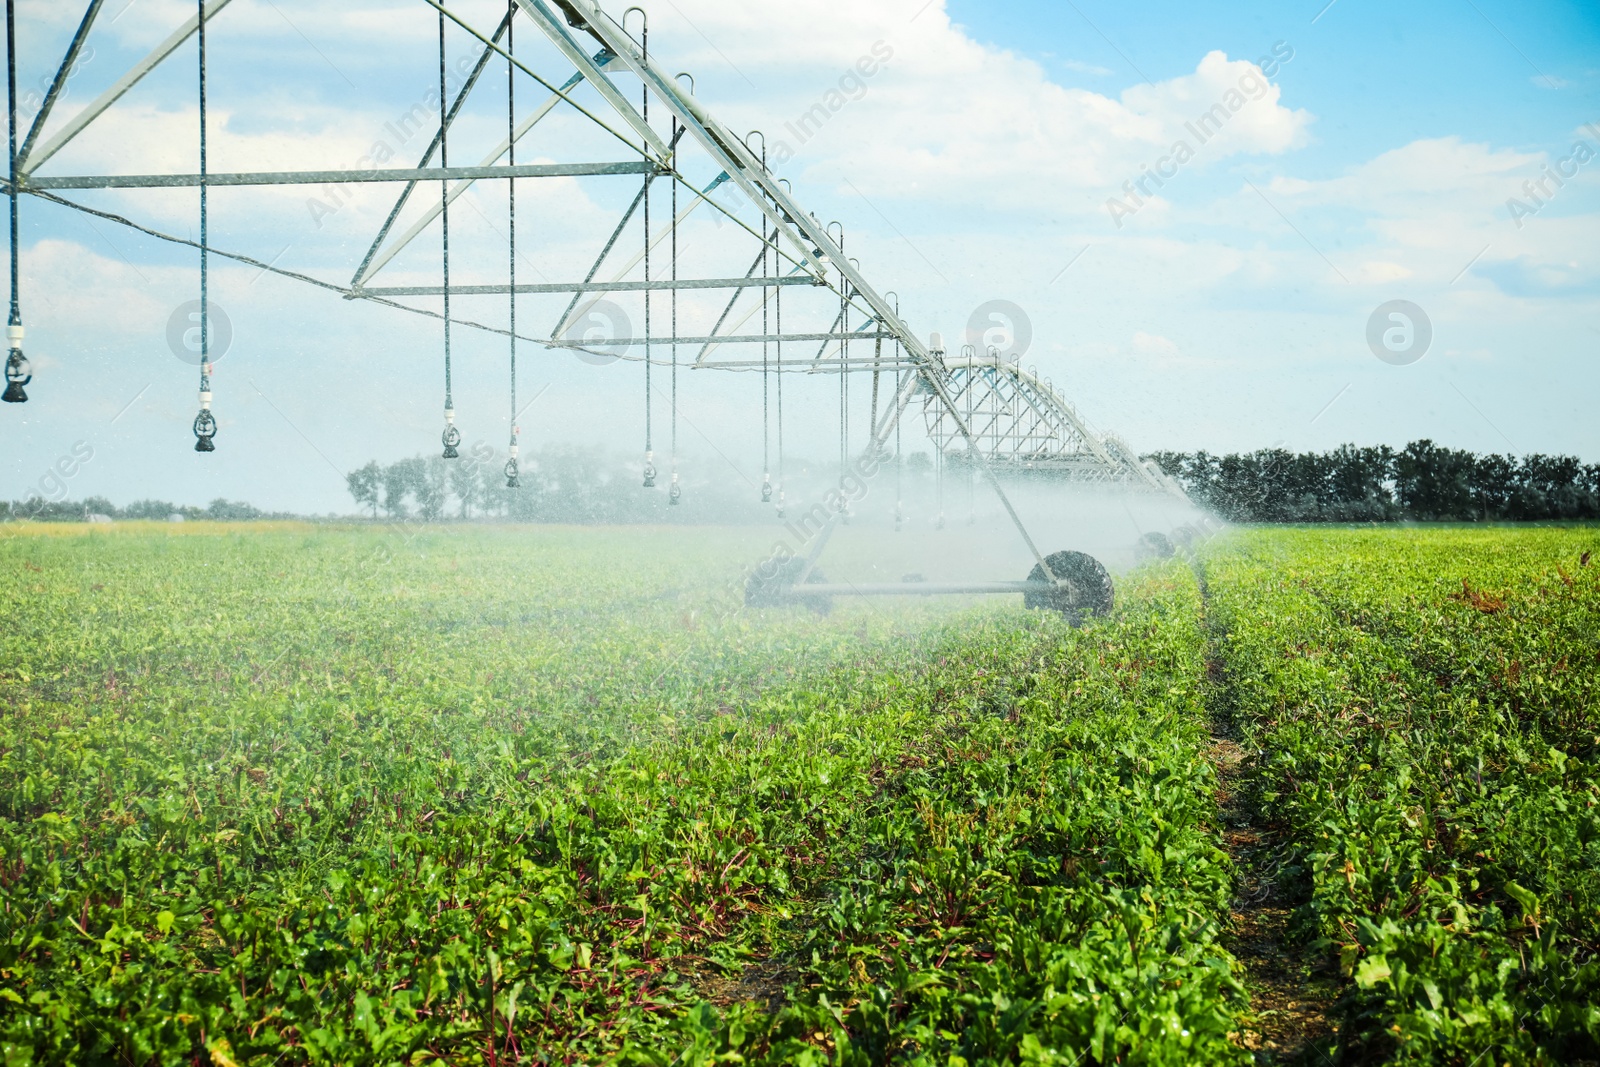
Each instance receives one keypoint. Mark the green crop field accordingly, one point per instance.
(279, 794)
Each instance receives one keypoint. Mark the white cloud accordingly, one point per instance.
(1379, 272)
(1153, 344)
(1431, 207)
(951, 119)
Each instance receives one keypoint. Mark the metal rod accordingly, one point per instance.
(579, 59)
(734, 299)
(205, 255)
(62, 73)
(622, 224)
(11, 100)
(856, 364)
(737, 159)
(821, 542)
(554, 27)
(797, 271)
(444, 228)
(134, 75)
(375, 261)
(338, 177)
(623, 342)
(365, 269)
(511, 244)
(810, 589)
(579, 287)
(573, 311)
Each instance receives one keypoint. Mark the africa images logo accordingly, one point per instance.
(1399, 332)
(599, 334)
(1002, 327)
(183, 332)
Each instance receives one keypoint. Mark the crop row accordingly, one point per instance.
(340, 798)
(1422, 708)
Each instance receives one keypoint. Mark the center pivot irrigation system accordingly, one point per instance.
(772, 292)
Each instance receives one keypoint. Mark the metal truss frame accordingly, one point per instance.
(998, 414)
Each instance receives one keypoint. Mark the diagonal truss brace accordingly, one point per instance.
(376, 260)
(28, 161)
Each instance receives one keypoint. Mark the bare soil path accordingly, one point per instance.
(1292, 986)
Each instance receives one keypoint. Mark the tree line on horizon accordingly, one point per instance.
(39, 509)
(1421, 482)
(559, 484)
(573, 485)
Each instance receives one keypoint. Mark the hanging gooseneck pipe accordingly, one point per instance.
(18, 370)
(513, 468)
(205, 423)
(844, 378)
(937, 353)
(766, 330)
(899, 458)
(778, 353)
(451, 436)
(674, 490)
(971, 354)
(644, 93)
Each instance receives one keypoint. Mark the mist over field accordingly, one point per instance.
(899, 533)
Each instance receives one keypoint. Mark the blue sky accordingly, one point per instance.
(1229, 311)
(1358, 61)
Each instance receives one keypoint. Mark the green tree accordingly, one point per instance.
(365, 484)
(398, 479)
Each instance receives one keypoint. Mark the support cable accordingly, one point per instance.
(268, 268)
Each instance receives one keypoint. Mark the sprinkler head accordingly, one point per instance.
(649, 470)
(451, 437)
(674, 491)
(19, 372)
(766, 488)
(205, 427)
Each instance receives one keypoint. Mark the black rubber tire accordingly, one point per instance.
(774, 592)
(1154, 545)
(1090, 593)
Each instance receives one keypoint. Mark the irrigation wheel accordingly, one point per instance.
(1155, 545)
(1089, 591)
(778, 589)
